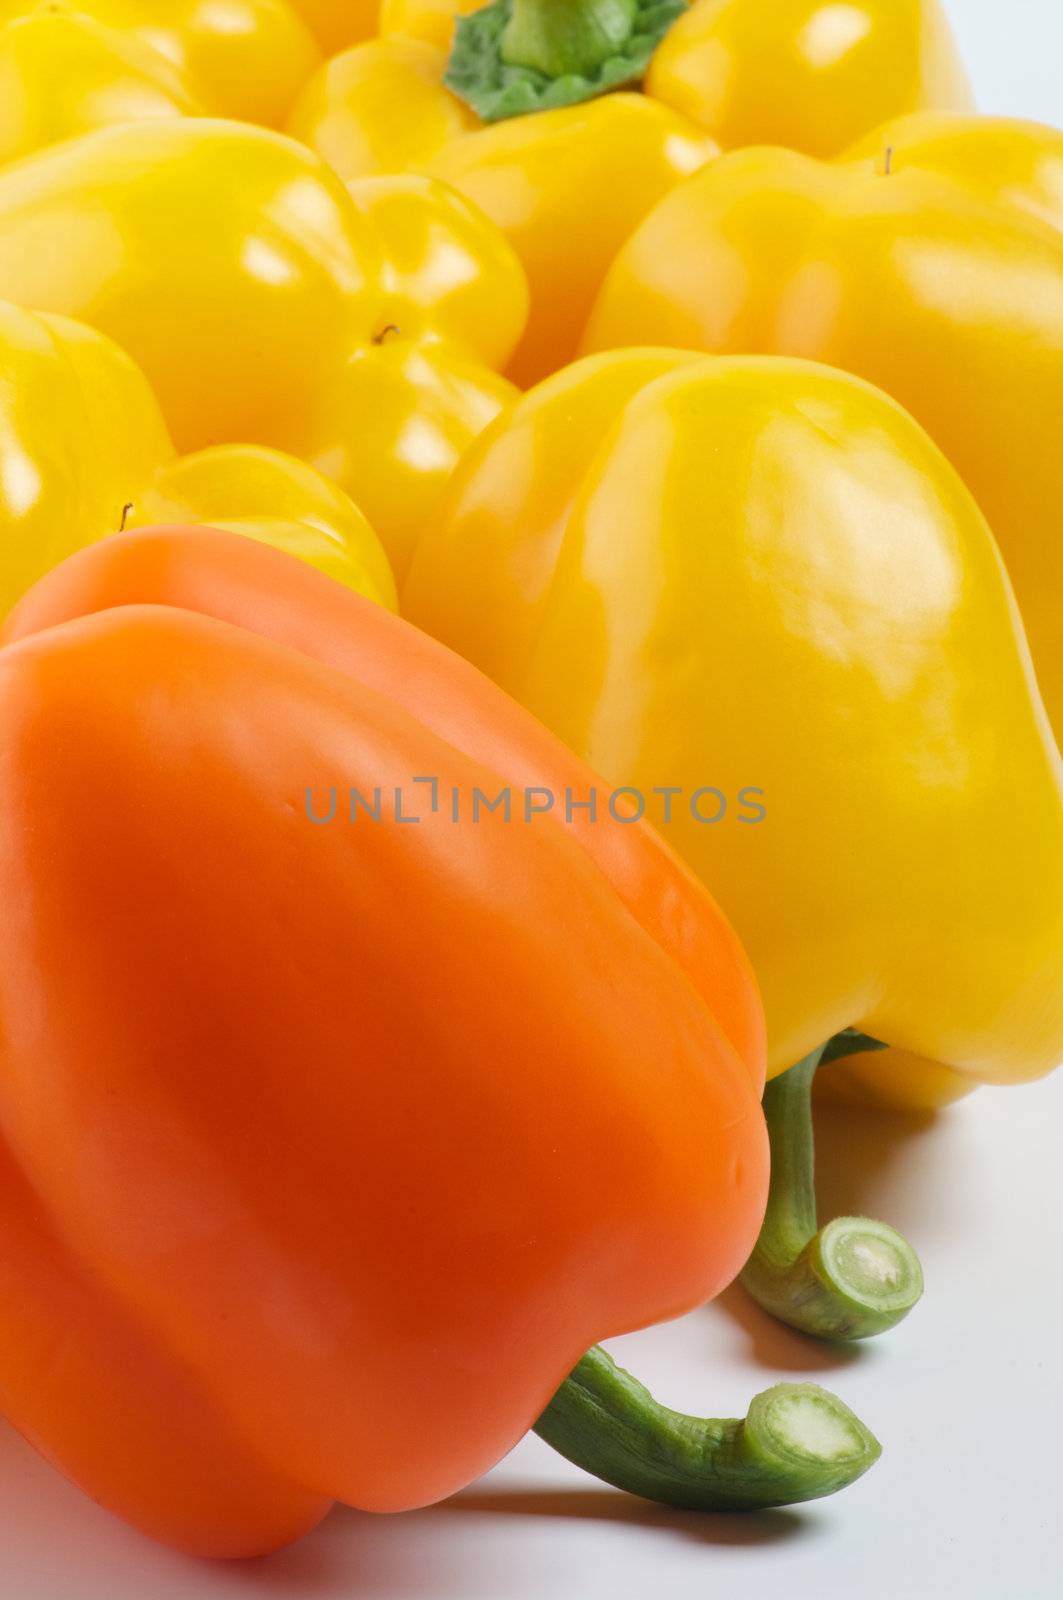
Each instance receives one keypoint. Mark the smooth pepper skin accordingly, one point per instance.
(105, 75)
(226, 259)
(380, 107)
(84, 452)
(337, 26)
(245, 59)
(567, 187)
(808, 74)
(267, 495)
(447, 272)
(997, 159)
(930, 283)
(761, 572)
(430, 20)
(313, 1199)
(393, 426)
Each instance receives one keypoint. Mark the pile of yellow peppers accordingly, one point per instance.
(693, 371)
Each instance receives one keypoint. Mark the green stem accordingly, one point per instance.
(567, 38)
(797, 1442)
(513, 57)
(853, 1278)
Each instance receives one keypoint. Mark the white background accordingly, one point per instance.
(966, 1396)
(1014, 50)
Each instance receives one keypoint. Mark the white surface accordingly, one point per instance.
(967, 1396)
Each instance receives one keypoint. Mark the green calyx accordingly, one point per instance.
(797, 1442)
(852, 1279)
(520, 56)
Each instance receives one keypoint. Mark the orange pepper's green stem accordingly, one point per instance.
(853, 1278)
(797, 1442)
(519, 56)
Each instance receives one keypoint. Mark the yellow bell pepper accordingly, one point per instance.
(84, 452)
(400, 415)
(758, 581)
(63, 73)
(811, 76)
(394, 426)
(567, 187)
(922, 271)
(995, 159)
(245, 59)
(227, 260)
(446, 271)
(380, 107)
(278, 500)
(430, 20)
(339, 23)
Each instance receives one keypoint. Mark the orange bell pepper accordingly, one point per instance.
(327, 1156)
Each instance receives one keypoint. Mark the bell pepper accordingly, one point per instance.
(227, 260)
(393, 427)
(447, 272)
(279, 500)
(380, 107)
(551, 183)
(431, 20)
(281, 1229)
(755, 591)
(257, 295)
(245, 59)
(810, 76)
(995, 159)
(393, 424)
(569, 184)
(938, 285)
(105, 76)
(337, 26)
(84, 452)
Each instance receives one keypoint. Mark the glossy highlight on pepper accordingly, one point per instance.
(227, 260)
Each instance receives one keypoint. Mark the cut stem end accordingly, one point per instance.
(808, 1435)
(798, 1442)
(854, 1278)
